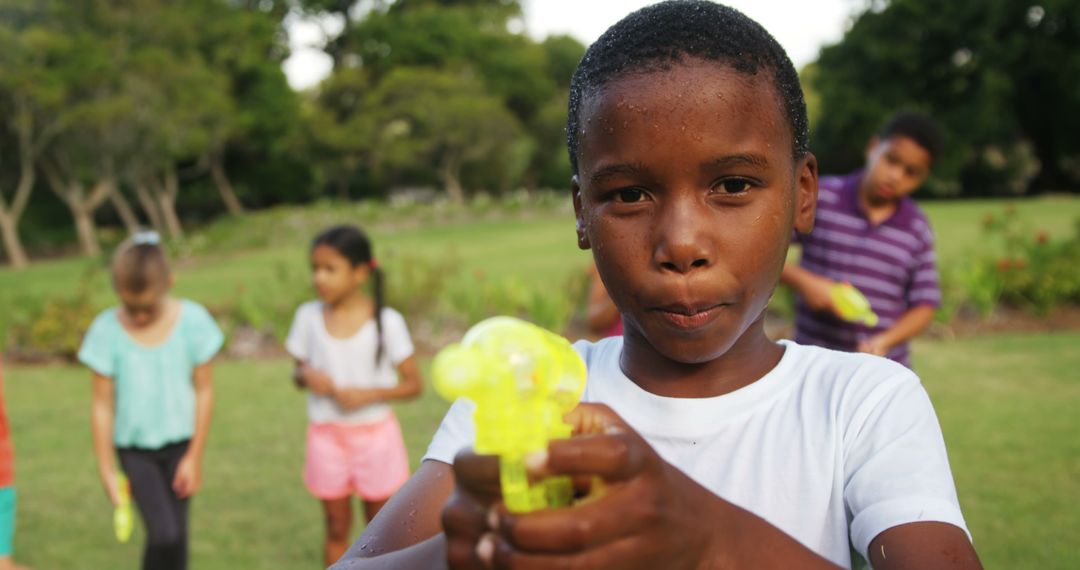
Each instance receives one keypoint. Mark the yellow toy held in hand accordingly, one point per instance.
(853, 305)
(523, 380)
(123, 518)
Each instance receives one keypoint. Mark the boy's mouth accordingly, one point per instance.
(689, 316)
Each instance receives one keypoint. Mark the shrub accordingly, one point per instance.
(1020, 267)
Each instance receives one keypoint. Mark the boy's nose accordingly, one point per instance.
(682, 245)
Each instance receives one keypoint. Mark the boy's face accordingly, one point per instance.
(687, 194)
(895, 167)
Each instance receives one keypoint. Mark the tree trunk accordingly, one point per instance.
(167, 202)
(123, 209)
(9, 218)
(149, 206)
(9, 232)
(449, 172)
(221, 180)
(86, 230)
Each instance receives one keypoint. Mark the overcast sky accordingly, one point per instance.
(802, 27)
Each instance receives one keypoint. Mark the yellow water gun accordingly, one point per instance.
(523, 380)
(123, 518)
(852, 305)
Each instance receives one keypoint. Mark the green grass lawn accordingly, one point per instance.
(1007, 406)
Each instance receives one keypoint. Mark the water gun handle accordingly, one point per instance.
(123, 518)
(852, 305)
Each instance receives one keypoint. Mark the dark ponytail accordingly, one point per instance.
(351, 242)
(377, 285)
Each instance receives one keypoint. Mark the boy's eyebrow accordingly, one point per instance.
(616, 169)
(742, 160)
(747, 159)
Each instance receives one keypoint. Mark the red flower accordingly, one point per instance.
(1004, 264)
(1041, 236)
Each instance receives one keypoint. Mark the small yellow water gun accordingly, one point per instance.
(523, 380)
(123, 518)
(852, 304)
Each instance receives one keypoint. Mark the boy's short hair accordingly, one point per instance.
(655, 37)
(916, 126)
(139, 263)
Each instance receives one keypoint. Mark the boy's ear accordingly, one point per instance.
(582, 237)
(806, 190)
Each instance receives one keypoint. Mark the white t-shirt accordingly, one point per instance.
(350, 362)
(826, 446)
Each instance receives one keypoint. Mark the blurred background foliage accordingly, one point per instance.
(169, 114)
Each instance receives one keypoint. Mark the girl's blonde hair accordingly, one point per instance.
(139, 263)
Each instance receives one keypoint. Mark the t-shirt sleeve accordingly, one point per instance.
(98, 350)
(456, 432)
(924, 288)
(297, 343)
(396, 340)
(896, 467)
(205, 337)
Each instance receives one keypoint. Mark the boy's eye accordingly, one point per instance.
(630, 195)
(735, 186)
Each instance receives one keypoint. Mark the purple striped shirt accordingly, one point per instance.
(892, 263)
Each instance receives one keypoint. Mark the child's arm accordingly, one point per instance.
(409, 386)
(101, 427)
(814, 289)
(408, 531)
(188, 476)
(652, 515)
(911, 323)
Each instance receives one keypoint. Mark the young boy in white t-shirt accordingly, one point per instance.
(718, 447)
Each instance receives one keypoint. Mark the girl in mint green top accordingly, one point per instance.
(155, 398)
(150, 360)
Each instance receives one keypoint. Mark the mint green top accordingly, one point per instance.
(155, 395)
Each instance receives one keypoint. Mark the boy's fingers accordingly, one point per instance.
(477, 474)
(613, 457)
(622, 553)
(589, 419)
(464, 522)
(574, 529)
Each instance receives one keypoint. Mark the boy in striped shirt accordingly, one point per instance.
(869, 232)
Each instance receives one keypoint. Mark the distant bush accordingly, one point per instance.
(51, 328)
(1015, 266)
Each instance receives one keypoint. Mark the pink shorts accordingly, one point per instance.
(368, 460)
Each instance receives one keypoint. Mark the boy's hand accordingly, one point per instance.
(465, 518)
(817, 292)
(875, 345)
(188, 476)
(649, 516)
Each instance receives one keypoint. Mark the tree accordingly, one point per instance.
(472, 41)
(1002, 76)
(441, 118)
(27, 97)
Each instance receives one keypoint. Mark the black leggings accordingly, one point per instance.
(151, 473)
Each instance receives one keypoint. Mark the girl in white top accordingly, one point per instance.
(353, 355)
